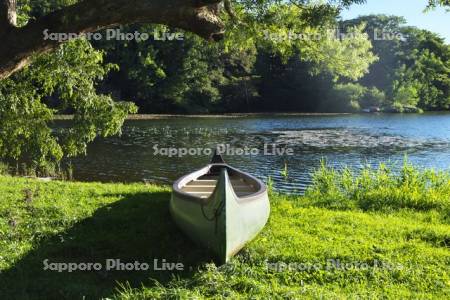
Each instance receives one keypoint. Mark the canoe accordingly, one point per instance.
(220, 207)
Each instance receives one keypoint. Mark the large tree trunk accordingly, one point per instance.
(7, 15)
(19, 44)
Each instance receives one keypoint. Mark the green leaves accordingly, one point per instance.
(413, 67)
(283, 30)
(425, 71)
(435, 3)
(68, 75)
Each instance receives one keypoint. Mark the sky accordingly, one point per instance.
(437, 20)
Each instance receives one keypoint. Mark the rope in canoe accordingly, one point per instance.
(217, 212)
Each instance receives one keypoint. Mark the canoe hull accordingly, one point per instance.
(224, 222)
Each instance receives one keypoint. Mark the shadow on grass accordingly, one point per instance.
(136, 228)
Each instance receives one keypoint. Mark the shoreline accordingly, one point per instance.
(211, 116)
(239, 115)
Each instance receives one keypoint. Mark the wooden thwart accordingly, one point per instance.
(205, 187)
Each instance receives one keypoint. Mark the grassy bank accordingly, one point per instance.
(352, 236)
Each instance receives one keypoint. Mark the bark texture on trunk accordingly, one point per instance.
(7, 13)
(20, 43)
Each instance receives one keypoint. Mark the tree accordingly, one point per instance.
(78, 17)
(25, 135)
(373, 97)
(20, 43)
(383, 32)
(198, 16)
(345, 98)
(406, 94)
(425, 61)
(435, 3)
(414, 64)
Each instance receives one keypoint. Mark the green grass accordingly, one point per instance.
(397, 226)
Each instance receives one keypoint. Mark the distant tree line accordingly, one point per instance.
(193, 76)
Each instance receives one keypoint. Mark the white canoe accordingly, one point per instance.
(220, 207)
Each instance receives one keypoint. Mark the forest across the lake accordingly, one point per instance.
(407, 71)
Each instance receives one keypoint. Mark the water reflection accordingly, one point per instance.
(342, 140)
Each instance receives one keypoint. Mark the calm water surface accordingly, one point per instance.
(343, 140)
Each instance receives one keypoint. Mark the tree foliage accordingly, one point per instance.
(70, 75)
(413, 67)
(435, 3)
(196, 76)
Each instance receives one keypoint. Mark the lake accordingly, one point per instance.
(342, 140)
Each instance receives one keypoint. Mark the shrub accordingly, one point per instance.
(345, 98)
(373, 97)
(406, 94)
(4, 170)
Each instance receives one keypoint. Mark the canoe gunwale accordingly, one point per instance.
(180, 183)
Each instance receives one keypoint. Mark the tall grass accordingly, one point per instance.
(380, 188)
(285, 171)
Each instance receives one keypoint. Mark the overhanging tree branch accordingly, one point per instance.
(19, 44)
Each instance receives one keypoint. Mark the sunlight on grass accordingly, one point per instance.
(395, 225)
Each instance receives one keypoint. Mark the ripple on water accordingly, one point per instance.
(352, 138)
